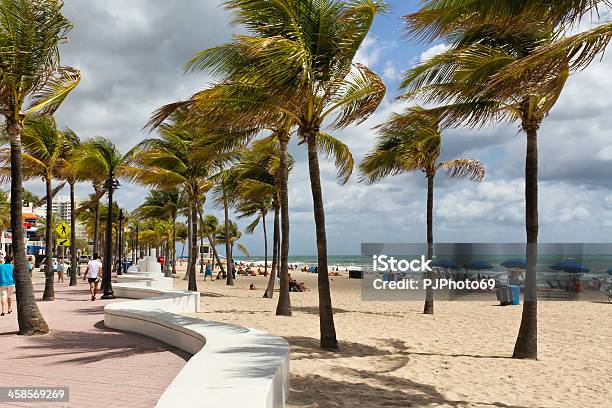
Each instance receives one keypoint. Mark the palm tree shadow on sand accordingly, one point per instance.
(372, 387)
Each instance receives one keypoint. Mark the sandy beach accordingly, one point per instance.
(393, 356)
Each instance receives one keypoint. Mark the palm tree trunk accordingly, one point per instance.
(201, 254)
(428, 308)
(73, 254)
(96, 237)
(49, 293)
(284, 300)
(29, 318)
(189, 216)
(265, 232)
(193, 249)
(326, 315)
(212, 243)
(269, 293)
(228, 244)
(526, 346)
(173, 253)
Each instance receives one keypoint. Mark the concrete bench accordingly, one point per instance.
(231, 366)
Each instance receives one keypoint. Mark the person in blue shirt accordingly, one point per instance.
(7, 284)
(208, 272)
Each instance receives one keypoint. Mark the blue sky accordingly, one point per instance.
(131, 56)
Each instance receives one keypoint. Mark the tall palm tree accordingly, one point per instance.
(31, 80)
(509, 64)
(209, 226)
(167, 163)
(298, 61)
(70, 170)
(412, 142)
(225, 185)
(43, 145)
(259, 179)
(101, 155)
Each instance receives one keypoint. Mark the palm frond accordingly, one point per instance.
(339, 152)
(55, 90)
(464, 168)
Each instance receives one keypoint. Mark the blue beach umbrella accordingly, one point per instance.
(444, 263)
(478, 265)
(515, 263)
(610, 271)
(569, 266)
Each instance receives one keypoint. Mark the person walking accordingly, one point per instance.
(61, 269)
(30, 265)
(7, 285)
(93, 274)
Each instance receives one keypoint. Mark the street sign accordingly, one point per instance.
(63, 242)
(63, 229)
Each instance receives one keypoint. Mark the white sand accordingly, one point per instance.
(393, 356)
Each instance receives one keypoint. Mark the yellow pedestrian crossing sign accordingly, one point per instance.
(63, 242)
(63, 230)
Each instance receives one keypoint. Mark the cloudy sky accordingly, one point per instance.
(131, 54)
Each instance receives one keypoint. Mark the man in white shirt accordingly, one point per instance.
(93, 275)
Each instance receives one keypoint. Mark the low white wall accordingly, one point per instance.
(231, 366)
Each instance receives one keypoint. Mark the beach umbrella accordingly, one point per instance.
(610, 271)
(478, 265)
(569, 266)
(444, 263)
(515, 263)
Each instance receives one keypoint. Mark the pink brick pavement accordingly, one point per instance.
(103, 368)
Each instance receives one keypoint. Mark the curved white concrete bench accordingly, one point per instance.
(231, 366)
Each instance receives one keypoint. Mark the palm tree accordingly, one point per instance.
(234, 235)
(163, 205)
(209, 226)
(43, 144)
(297, 62)
(70, 170)
(101, 154)
(28, 196)
(225, 186)
(259, 180)
(509, 64)
(412, 142)
(31, 81)
(169, 162)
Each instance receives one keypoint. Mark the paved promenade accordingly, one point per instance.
(102, 367)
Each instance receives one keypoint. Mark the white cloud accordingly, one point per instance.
(433, 51)
(390, 72)
(369, 52)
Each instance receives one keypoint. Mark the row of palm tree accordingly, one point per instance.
(293, 70)
(293, 75)
(508, 61)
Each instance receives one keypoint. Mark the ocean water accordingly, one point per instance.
(597, 264)
(311, 260)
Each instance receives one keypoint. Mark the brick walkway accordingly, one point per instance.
(103, 368)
